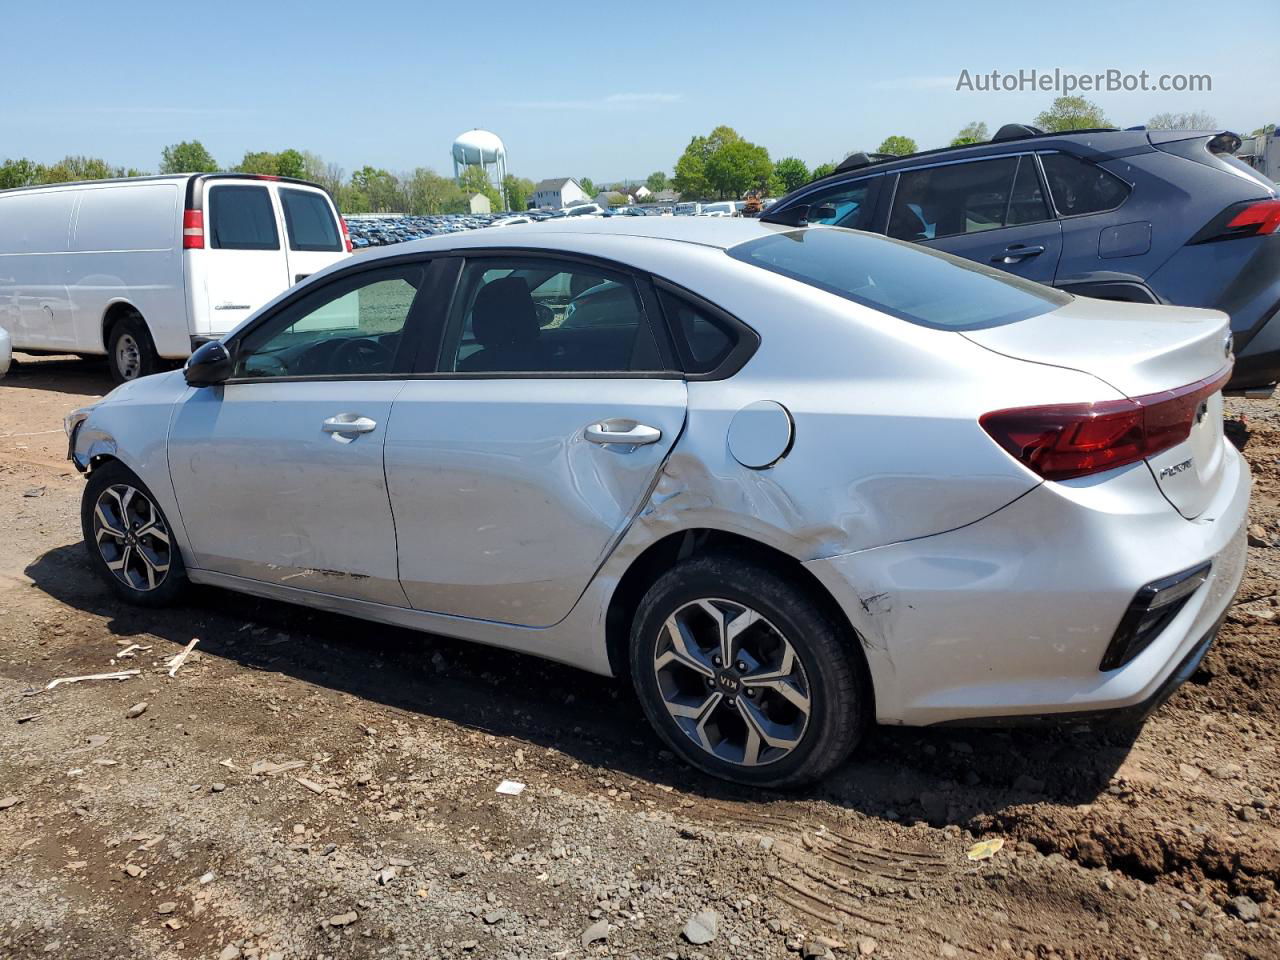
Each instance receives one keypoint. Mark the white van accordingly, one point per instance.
(145, 269)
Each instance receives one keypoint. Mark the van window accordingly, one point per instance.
(142, 217)
(241, 218)
(915, 284)
(309, 220)
(35, 222)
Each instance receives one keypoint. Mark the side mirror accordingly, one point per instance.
(209, 365)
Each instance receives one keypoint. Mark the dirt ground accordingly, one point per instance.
(313, 786)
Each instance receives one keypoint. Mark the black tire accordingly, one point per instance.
(834, 672)
(131, 353)
(114, 475)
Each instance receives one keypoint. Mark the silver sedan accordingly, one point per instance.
(788, 480)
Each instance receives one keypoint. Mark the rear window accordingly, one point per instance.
(309, 220)
(242, 219)
(920, 286)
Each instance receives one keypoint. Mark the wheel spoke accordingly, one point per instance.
(785, 668)
(684, 649)
(678, 708)
(785, 688)
(708, 709)
(770, 733)
(154, 529)
(106, 525)
(732, 630)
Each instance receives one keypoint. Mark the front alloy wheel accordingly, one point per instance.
(131, 536)
(732, 682)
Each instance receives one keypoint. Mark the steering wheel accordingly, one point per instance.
(546, 316)
(362, 355)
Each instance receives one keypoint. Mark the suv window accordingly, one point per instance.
(918, 285)
(960, 198)
(350, 327)
(1027, 203)
(1078, 186)
(530, 315)
(309, 220)
(241, 218)
(852, 203)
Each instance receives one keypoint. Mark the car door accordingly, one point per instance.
(312, 230)
(245, 263)
(519, 463)
(992, 211)
(278, 472)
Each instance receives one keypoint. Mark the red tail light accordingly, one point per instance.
(1253, 218)
(346, 234)
(1068, 440)
(193, 230)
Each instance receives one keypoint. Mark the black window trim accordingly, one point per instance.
(288, 231)
(411, 338)
(275, 217)
(1053, 203)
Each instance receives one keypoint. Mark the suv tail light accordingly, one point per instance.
(346, 234)
(1253, 218)
(1068, 440)
(193, 230)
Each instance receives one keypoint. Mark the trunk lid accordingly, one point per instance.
(1149, 353)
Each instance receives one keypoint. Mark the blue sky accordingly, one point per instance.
(392, 83)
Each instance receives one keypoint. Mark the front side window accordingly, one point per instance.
(241, 218)
(962, 198)
(1078, 186)
(350, 327)
(309, 221)
(530, 315)
(918, 285)
(850, 201)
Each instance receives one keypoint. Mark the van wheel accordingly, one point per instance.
(130, 351)
(745, 676)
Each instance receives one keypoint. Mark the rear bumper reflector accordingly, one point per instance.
(1150, 611)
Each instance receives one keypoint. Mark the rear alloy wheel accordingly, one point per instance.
(128, 538)
(130, 352)
(745, 676)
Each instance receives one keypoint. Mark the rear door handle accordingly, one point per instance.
(344, 425)
(1017, 252)
(622, 432)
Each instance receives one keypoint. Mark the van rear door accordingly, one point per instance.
(312, 228)
(244, 261)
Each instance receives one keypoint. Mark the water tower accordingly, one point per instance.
(480, 148)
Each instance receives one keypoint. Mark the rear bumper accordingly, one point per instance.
(1011, 616)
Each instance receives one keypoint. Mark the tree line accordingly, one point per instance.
(719, 166)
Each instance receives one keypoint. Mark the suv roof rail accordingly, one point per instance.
(1016, 131)
(861, 159)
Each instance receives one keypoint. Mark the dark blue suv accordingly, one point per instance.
(1144, 215)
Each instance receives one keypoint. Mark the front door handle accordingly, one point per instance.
(1016, 253)
(345, 424)
(622, 432)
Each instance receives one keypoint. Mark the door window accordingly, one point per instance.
(1078, 186)
(309, 220)
(1027, 204)
(525, 315)
(241, 218)
(350, 327)
(851, 201)
(962, 198)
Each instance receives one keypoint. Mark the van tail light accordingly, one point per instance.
(1068, 440)
(193, 230)
(1253, 218)
(346, 234)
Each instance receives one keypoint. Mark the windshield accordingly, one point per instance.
(901, 279)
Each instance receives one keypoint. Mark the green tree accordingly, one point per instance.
(791, 173)
(691, 179)
(328, 175)
(431, 193)
(898, 145)
(737, 167)
(291, 163)
(379, 189)
(260, 162)
(975, 132)
(1072, 113)
(73, 168)
(1196, 120)
(189, 156)
(656, 181)
(822, 170)
(475, 180)
(518, 190)
(18, 173)
(588, 186)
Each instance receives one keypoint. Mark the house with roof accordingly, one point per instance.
(556, 193)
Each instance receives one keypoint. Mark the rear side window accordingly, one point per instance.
(309, 221)
(1078, 186)
(241, 218)
(962, 198)
(920, 286)
(702, 341)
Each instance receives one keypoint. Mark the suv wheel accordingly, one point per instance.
(744, 676)
(130, 351)
(129, 541)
